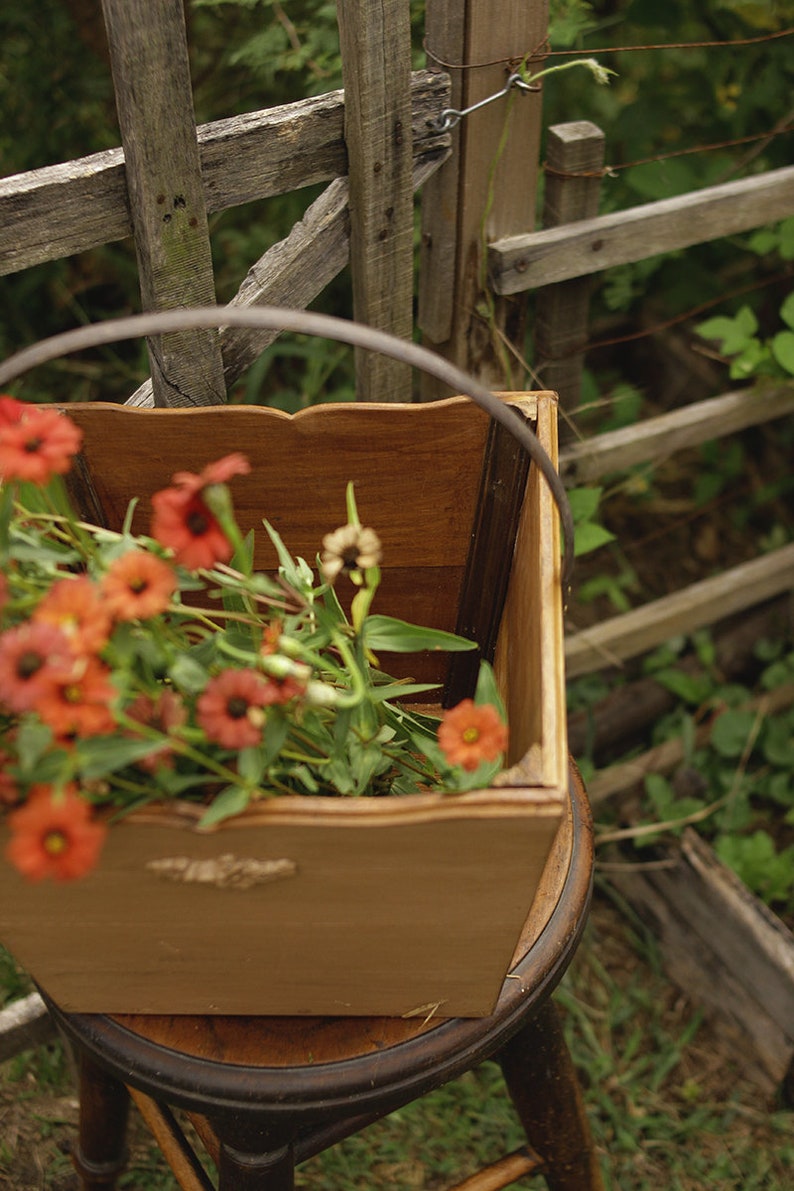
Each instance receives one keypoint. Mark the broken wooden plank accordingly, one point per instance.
(523, 262)
(725, 949)
(632, 633)
(64, 209)
(154, 100)
(23, 1024)
(657, 438)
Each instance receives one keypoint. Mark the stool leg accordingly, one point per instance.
(254, 1157)
(101, 1153)
(542, 1082)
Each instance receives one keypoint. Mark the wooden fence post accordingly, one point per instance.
(574, 160)
(376, 67)
(151, 76)
(491, 178)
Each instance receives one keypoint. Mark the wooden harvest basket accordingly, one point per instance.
(379, 906)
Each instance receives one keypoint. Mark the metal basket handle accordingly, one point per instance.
(274, 318)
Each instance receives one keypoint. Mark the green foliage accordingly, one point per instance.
(743, 772)
(768, 872)
(589, 534)
(750, 354)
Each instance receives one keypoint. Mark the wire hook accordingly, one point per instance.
(451, 117)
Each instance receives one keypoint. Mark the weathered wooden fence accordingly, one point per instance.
(559, 261)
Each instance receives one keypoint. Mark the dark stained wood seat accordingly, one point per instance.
(267, 1093)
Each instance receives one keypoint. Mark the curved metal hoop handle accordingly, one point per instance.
(275, 318)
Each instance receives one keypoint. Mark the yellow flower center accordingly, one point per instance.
(471, 735)
(55, 843)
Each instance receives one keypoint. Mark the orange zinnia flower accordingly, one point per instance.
(35, 443)
(31, 656)
(229, 710)
(183, 521)
(138, 585)
(76, 607)
(76, 702)
(54, 835)
(470, 733)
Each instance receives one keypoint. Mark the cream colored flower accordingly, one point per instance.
(348, 549)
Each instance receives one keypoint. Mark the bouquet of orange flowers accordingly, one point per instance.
(140, 668)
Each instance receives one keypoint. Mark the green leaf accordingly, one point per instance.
(33, 740)
(734, 333)
(251, 765)
(276, 731)
(398, 690)
(487, 691)
(589, 536)
(783, 350)
(102, 755)
(787, 310)
(694, 688)
(230, 801)
(731, 732)
(188, 674)
(584, 502)
(767, 872)
(398, 636)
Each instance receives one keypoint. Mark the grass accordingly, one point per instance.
(668, 1106)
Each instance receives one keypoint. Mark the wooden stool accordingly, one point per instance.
(267, 1093)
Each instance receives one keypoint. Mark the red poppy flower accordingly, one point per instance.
(183, 521)
(36, 442)
(54, 835)
(138, 585)
(76, 607)
(166, 713)
(77, 700)
(470, 733)
(31, 656)
(229, 710)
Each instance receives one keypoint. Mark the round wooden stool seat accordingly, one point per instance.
(265, 1092)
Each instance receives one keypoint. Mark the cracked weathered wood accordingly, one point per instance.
(726, 950)
(154, 100)
(63, 209)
